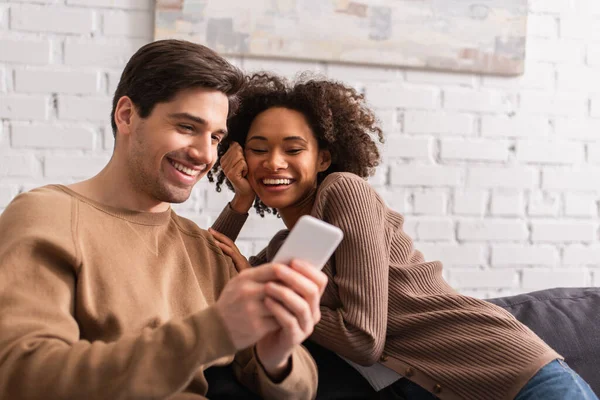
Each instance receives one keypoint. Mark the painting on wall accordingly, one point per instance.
(485, 36)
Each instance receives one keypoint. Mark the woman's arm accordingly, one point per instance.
(356, 328)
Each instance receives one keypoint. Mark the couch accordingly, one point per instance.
(568, 319)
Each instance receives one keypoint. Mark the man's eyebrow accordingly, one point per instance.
(196, 119)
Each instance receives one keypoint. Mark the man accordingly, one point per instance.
(105, 293)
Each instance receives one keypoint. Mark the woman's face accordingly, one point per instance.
(283, 157)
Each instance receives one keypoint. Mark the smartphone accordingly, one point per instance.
(310, 240)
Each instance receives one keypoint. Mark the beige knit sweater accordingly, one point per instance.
(104, 303)
(385, 303)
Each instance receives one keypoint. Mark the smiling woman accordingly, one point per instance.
(306, 149)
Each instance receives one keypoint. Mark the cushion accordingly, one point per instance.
(568, 319)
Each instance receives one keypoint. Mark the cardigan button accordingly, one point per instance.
(409, 372)
(437, 389)
(384, 358)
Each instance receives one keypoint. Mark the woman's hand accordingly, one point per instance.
(233, 164)
(230, 249)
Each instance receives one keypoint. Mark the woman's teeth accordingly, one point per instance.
(277, 181)
(185, 170)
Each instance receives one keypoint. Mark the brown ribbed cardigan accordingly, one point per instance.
(384, 303)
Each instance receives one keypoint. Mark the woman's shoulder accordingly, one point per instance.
(345, 182)
(344, 188)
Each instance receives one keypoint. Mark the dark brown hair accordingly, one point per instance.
(159, 70)
(336, 113)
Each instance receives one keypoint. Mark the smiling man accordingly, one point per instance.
(105, 293)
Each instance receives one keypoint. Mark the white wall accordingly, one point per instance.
(497, 177)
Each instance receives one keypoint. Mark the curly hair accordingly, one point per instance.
(336, 113)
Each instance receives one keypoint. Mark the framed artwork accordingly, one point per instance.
(484, 36)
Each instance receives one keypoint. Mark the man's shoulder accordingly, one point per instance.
(43, 203)
(189, 228)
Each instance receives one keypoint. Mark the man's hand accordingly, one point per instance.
(235, 168)
(229, 248)
(293, 300)
(242, 306)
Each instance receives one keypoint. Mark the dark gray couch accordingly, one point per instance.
(568, 319)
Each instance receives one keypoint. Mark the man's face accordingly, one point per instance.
(171, 149)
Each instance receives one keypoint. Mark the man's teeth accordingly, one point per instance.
(277, 181)
(184, 169)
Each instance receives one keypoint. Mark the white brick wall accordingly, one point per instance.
(496, 176)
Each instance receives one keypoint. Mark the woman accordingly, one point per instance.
(306, 149)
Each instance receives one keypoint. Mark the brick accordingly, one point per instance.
(469, 202)
(453, 254)
(581, 255)
(551, 6)
(554, 51)
(54, 81)
(574, 26)
(500, 230)
(103, 54)
(394, 198)
(215, 201)
(517, 254)
(595, 107)
(581, 205)
(261, 228)
(577, 128)
(577, 77)
(388, 121)
(425, 175)
(544, 26)
(354, 73)
(53, 19)
(7, 193)
(122, 4)
(593, 153)
(478, 101)
(381, 176)
(401, 96)
(517, 126)
(435, 229)
(438, 122)
(542, 204)
(507, 204)
(64, 166)
(555, 152)
(562, 104)
(17, 107)
(500, 177)
(137, 24)
(579, 179)
(18, 165)
(407, 147)
(3, 17)
(483, 150)
(593, 55)
(563, 231)
(441, 78)
(25, 51)
(52, 136)
(113, 82)
(410, 227)
(543, 278)
(490, 278)
(429, 203)
(108, 138)
(84, 108)
(536, 76)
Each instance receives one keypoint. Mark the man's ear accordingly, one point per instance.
(124, 115)
(324, 160)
